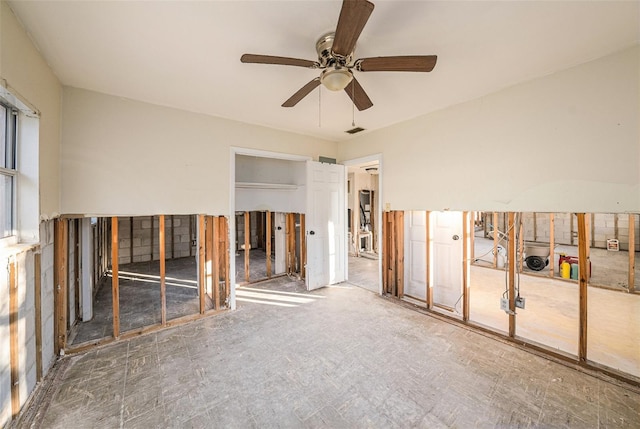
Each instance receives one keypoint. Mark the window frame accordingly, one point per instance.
(9, 168)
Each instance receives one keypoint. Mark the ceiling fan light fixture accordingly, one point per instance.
(336, 79)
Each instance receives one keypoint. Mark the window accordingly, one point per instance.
(8, 172)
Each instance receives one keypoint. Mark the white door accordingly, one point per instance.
(447, 259)
(280, 237)
(416, 251)
(325, 224)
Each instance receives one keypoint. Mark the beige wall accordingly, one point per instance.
(124, 157)
(564, 142)
(29, 77)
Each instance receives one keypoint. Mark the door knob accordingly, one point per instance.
(312, 233)
(456, 237)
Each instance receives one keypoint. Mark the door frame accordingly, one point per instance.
(380, 198)
(233, 151)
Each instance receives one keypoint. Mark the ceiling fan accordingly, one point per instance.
(335, 58)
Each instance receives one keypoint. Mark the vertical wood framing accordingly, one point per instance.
(215, 256)
(131, 239)
(587, 233)
(429, 294)
(201, 245)
(152, 237)
(512, 275)
(115, 287)
(385, 252)
(37, 272)
(400, 251)
(551, 245)
(268, 244)
(190, 235)
(291, 243)
(535, 226)
(14, 356)
(392, 254)
(495, 239)
(173, 236)
(76, 262)
(632, 251)
(472, 238)
(583, 267)
(303, 247)
(61, 240)
(465, 265)
(163, 274)
(592, 233)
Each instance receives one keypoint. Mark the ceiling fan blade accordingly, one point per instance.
(360, 98)
(283, 61)
(302, 92)
(353, 17)
(411, 63)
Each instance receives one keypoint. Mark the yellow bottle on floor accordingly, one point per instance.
(565, 270)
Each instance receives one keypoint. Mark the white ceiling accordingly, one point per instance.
(186, 54)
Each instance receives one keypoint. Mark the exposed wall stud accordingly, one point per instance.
(163, 282)
(201, 261)
(400, 251)
(215, 256)
(61, 243)
(511, 228)
(115, 287)
(385, 252)
(303, 247)
(495, 239)
(465, 264)
(632, 250)
(583, 267)
(268, 244)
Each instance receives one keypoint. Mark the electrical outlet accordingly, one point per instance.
(504, 304)
(520, 302)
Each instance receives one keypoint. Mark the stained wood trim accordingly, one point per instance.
(632, 251)
(61, 244)
(268, 251)
(163, 274)
(37, 272)
(115, 287)
(512, 274)
(201, 262)
(495, 239)
(303, 247)
(583, 267)
(465, 265)
(551, 245)
(429, 295)
(215, 256)
(14, 355)
(247, 246)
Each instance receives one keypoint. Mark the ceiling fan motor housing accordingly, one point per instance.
(325, 56)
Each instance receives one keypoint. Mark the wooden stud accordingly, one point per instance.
(583, 267)
(268, 244)
(427, 270)
(131, 239)
(190, 235)
(303, 247)
(495, 239)
(587, 232)
(465, 265)
(472, 238)
(37, 272)
(76, 224)
(61, 244)
(551, 245)
(512, 275)
(201, 261)
(385, 252)
(372, 214)
(14, 356)
(215, 256)
(632, 251)
(535, 226)
(208, 256)
(392, 251)
(173, 237)
(115, 287)
(247, 246)
(400, 251)
(152, 236)
(163, 274)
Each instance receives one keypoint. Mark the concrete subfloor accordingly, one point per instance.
(337, 357)
(139, 289)
(364, 272)
(257, 265)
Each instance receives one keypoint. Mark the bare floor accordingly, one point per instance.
(338, 357)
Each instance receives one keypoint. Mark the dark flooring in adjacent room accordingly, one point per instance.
(337, 357)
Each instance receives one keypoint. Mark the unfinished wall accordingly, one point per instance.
(180, 235)
(566, 142)
(124, 157)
